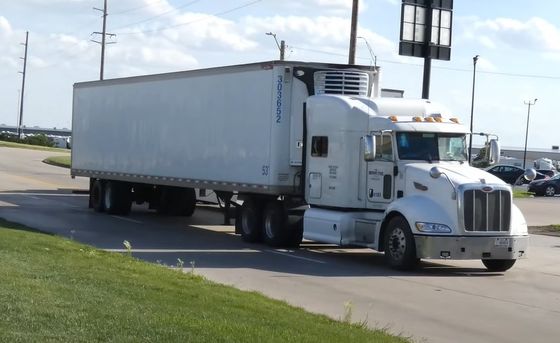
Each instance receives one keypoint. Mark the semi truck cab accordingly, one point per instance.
(393, 175)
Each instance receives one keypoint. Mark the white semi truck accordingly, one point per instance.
(308, 149)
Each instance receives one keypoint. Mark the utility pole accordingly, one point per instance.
(104, 35)
(353, 29)
(282, 50)
(20, 129)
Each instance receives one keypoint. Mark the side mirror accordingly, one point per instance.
(369, 148)
(530, 174)
(493, 152)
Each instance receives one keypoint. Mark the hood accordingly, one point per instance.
(457, 173)
(538, 182)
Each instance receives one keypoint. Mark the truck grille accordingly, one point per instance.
(487, 211)
(341, 82)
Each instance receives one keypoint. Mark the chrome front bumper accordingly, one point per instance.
(471, 248)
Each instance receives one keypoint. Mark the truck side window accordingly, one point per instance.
(319, 146)
(383, 148)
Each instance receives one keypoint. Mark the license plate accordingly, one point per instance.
(502, 242)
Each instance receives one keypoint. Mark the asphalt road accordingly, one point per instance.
(446, 301)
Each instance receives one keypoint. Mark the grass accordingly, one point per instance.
(32, 147)
(55, 290)
(521, 194)
(59, 161)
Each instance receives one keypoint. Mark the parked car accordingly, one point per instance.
(548, 187)
(511, 174)
(547, 172)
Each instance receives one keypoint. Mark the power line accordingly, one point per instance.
(531, 76)
(193, 21)
(138, 8)
(159, 15)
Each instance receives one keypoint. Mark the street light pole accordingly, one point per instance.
(281, 46)
(529, 104)
(475, 59)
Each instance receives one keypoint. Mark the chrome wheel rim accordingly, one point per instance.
(397, 243)
(550, 191)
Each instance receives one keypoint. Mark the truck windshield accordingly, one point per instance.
(431, 146)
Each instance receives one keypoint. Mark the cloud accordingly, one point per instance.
(5, 27)
(535, 33)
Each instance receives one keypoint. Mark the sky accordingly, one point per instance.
(518, 43)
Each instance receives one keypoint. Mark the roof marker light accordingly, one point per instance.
(393, 118)
(438, 119)
(417, 119)
(429, 119)
(455, 120)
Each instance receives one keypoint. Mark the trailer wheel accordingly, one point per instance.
(251, 221)
(96, 196)
(276, 230)
(400, 249)
(498, 265)
(117, 197)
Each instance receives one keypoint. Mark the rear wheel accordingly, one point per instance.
(498, 265)
(96, 196)
(276, 229)
(549, 191)
(250, 219)
(117, 197)
(400, 249)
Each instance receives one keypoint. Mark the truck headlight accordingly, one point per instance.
(432, 227)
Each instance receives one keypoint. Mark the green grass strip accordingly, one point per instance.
(521, 194)
(55, 290)
(31, 147)
(59, 161)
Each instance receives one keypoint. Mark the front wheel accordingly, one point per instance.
(400, 249)
(549, 191)
(498, 265)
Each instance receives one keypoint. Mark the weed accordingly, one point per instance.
(348, 307)
(128, 247)
(192, 267)
(180, 264)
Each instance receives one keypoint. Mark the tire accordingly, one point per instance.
(117, 197)
(96, 196)
(250, 221)
(176, 201)
(550, 191)
(498, 265)
(296, 234)
(276, 231)
(400, 248)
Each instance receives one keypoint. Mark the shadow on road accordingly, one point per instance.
(201, 239)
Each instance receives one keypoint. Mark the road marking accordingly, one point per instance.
(216, 251)
(128, 219)
(295, 256)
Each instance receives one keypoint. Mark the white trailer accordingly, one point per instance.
(296, 140)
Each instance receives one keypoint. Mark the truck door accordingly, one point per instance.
(380, 178)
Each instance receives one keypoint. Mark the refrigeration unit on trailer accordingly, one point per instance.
(308, 148)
